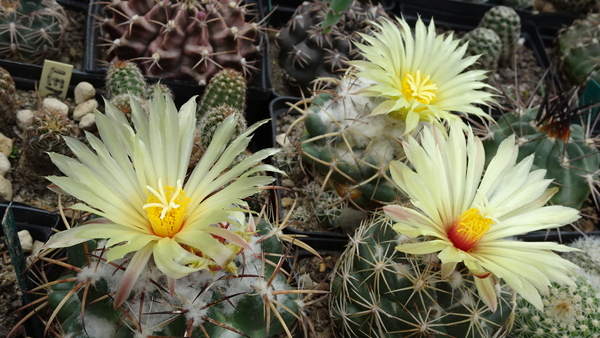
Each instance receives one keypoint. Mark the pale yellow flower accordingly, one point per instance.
(466, 215)
(420, 76)
(135, 179)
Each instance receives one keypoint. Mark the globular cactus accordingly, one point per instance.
(185, 40)
(258, 302)
(579, 51)
(309, 51)
(507, 24)
(44, 135)
(560, 146)
(124, 80)
(7, 100)
(573, 6)
(377, 291)
(589, 256)
(31, 30)
(487, 43)
(518, 3)
(227, 87)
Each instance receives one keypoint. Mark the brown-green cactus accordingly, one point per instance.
(189, 40)
(579, 49)
(7, 95)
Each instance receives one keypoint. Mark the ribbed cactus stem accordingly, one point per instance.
(227, 87)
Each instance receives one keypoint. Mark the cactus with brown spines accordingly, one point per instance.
(7, 97)
(309, 51)
(31, 30)
(184, 40)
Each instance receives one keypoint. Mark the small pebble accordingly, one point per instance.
(83, 92)
(287, 202)
(6, 191)
(26, 240)
(6, 145)
(288, 183)
(4, 164)
(24, 118)
(84, 108)
(88, 122)
(57, 105)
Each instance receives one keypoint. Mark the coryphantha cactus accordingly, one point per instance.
(579, 50)
(7, 100)
(31, 30)
(487, 43)
(185, 40)
(308, 50)
(507, 24)
(564, 148)
(573, 6)
(377, 291)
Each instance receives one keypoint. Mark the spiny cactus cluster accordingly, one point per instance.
(309, 51)
(507, 24)
(257, 302)
(377, 291)
(485, 42)
(565, 149)
(32, 30)
(7, 100)
(578, 50)
(180, 39)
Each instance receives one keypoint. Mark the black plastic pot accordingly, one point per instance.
(269, 5)
(549, 24)
(258, 85)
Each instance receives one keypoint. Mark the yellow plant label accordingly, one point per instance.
(55, 79)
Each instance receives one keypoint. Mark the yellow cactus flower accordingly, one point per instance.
(421, 77)
(135, 180)
(467, 215)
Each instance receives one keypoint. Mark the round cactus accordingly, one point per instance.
(487, 43)
(377, 291)
(32, 30)
(185, 40)
(507, 24)
(308, 52)
(589, 256)
(258, 302)
(227, 87)
(564, 150)
(7, 97)
(124, 80)
(579, 49)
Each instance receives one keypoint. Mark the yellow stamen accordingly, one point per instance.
(468, 229)
(421, 89)
(166, 209)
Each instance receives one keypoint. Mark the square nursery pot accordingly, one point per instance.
(31, 73)
(258, 85)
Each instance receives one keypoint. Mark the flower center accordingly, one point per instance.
(468, 229)
(166, 209)
(419, 88)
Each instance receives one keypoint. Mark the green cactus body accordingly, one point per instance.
(350, 147)
(518, 3)
(487, 43)
(579, 49)
(207, 303)
(32, 30)
(180, 39)
(570, 159)
(507, 24)
(573, 6)
(227, 87)
(569, 311)
(7, 97)
(208, 124)
(377, 291)
(307, 52)
(124, 80)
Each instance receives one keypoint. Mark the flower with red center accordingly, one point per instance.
(466, 214)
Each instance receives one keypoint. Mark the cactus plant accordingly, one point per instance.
(507, 24)
(573, 6)
(307, 50)
(227, 87)
(589, 256)
(123, 81)
(32, 30)
(485, 42)
(185, 40)
(7, 100)
(518, 3)
(377, 291)
(579, 50)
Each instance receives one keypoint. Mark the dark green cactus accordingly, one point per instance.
(7, 100)
(123, 81)
(204, 304)
(573, 6)
(227, 87)
(207, 125)
(179, 39)
(377, 291)
(307, 51)
(507, 24)
(518, 3)
(579, 50)
(31, 30)
(559, 146)
(487, 43)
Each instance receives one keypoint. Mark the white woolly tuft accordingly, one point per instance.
(98, 327)
(196, 311)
